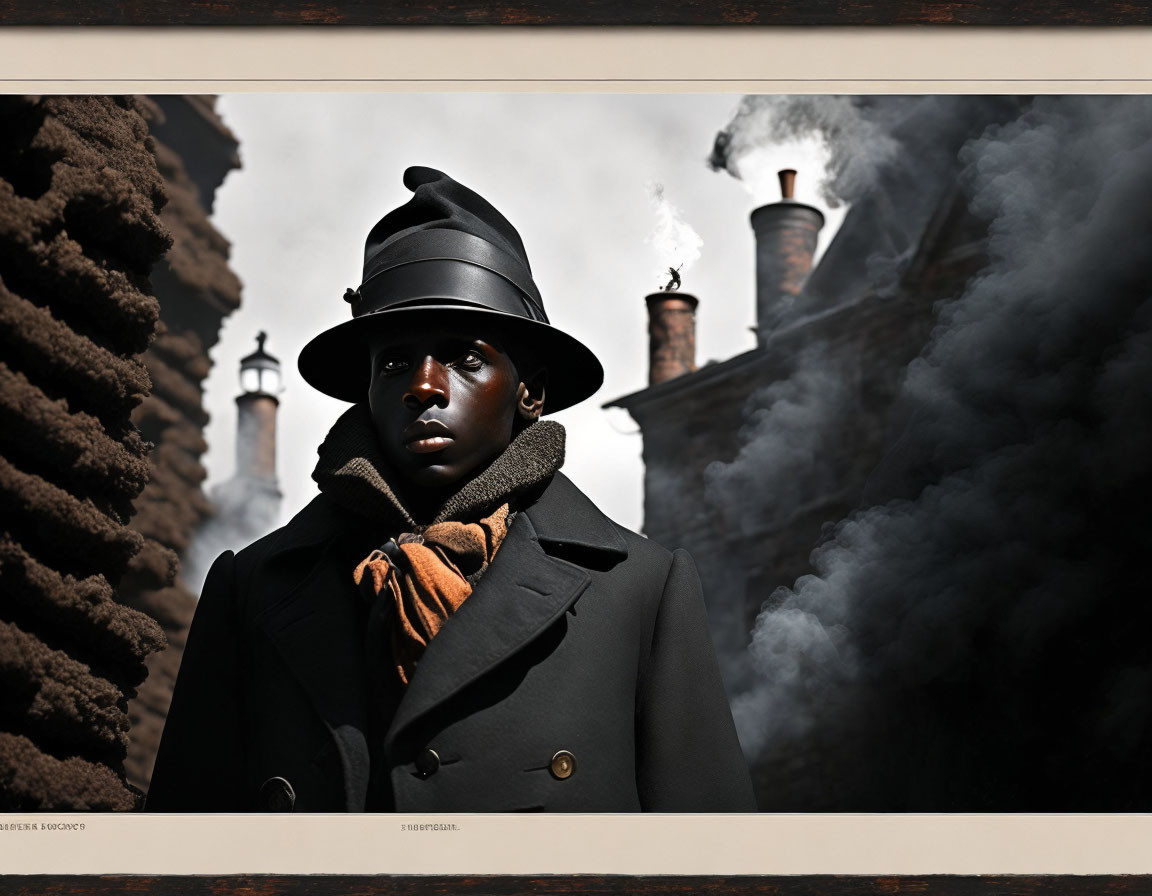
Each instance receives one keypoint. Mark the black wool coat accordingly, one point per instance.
(579, 676)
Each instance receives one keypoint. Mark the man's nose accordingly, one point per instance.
(429, 385)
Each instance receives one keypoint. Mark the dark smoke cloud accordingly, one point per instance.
(787, 448)
(866, 137)
(976, 637)
(887, 159)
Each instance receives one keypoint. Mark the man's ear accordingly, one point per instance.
(530, 396)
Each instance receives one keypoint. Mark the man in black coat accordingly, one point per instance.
(451, 625)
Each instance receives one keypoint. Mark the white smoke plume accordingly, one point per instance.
(676, 243)
(246, 510)
(857, 145)
(976, 636)
(885, 155)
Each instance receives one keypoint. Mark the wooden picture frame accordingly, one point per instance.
(569, 13)
(566, 13)
(584, 885)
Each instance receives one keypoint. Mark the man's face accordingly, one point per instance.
(444, 402)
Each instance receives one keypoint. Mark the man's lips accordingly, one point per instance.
(427, 446)
(426, 436)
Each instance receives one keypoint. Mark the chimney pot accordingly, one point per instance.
(787, 182)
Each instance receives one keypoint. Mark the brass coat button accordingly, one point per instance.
(562, 766)
(427, 761)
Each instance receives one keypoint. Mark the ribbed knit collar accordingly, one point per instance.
(353, 472)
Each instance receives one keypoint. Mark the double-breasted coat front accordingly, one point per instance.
(579, 676)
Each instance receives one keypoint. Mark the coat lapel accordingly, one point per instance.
(520, 595)
(540, 570)
(523, 592)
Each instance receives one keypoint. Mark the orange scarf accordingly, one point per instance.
(429, 571)
(427, 577)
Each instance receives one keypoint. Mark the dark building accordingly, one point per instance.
(113, 285)
(751, 527)
(696, 418)
(919, 505)
(196, 290)
(80, 229)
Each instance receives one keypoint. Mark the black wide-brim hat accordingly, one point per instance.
(446, 258)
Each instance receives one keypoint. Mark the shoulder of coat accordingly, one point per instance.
(568, 522)
(317, 524)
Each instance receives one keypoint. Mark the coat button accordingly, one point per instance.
(427, 762)
(277, 795)
(562, 766)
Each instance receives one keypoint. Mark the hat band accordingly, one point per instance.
(445, 279)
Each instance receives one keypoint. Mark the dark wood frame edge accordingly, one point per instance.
(578, 885)
(575, 13)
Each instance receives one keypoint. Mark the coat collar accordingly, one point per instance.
(563, 516)
(540, 570)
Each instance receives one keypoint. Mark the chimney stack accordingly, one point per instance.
(248, 504)
(786, 234)
(256, 423)
(671, 335)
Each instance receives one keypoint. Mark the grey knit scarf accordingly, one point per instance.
(353, 472)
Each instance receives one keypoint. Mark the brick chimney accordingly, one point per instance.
(671, 335)
(786, 234)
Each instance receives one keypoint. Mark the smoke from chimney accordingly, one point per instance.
(857, 143)
(788, 446)
(882, 154)
(677, 245)
(976, 635)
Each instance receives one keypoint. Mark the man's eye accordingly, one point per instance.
(393, 366)
(471, 360)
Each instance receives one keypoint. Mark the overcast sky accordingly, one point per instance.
(573, 173)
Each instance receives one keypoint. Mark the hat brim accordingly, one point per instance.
(338, 361)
